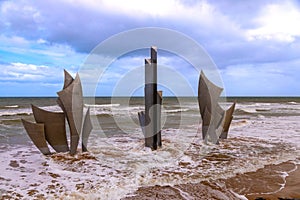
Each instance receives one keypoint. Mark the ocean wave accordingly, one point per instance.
(15, 112)
(239, 123)
(263, 109)
(8, 125)
(26, 111)
(293, 103)
(102, 105)
(115, 109)
(262, 104)
(252, 110)
(176, 110)
(54, 108)
(6, 114)
(245, 111)
(104, 115)
(12, 106)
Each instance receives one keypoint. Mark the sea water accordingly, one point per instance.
(264, 131)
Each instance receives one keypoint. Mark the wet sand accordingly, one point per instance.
(270, 182)
(204, 190)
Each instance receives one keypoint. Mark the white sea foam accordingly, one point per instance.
(102, 105)
(12, 106)
(122, 165)
(12, 112)
(54, 108)
(293, 103)
(241, 197)
(249, 110)
(176, 110)
(27, 111)
(114, 110)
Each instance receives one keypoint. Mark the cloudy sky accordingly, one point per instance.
(255, 45)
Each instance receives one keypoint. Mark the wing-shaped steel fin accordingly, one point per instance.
(36, 133)
(86, 130)
(227, 121)
(55, 128)
(72, 102)
(212, 114)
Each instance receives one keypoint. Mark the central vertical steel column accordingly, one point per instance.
(158, 107)
(151, 114)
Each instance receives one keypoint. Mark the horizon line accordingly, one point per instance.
(246, 96)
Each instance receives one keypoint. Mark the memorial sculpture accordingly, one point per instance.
(150, 119)
(71, 101)
(215, 120)
(50, 126)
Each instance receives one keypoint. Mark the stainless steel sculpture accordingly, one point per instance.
(215, 121)
(50, 126)
(227, 121)
(37, 135)
(86, 130)
(55, 129)
(159, 103)
(141, 116)
(150, 119)
(67, 81)
(72, 104)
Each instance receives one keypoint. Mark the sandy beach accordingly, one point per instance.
(270, 182)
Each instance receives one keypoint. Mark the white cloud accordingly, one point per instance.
(277, 22)
(39, 52)
(13, 41)
(138, 8)
(20, 72)
(19, 44)
(41, 41)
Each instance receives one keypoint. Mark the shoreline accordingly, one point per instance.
(290, 189)
(279, 181)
